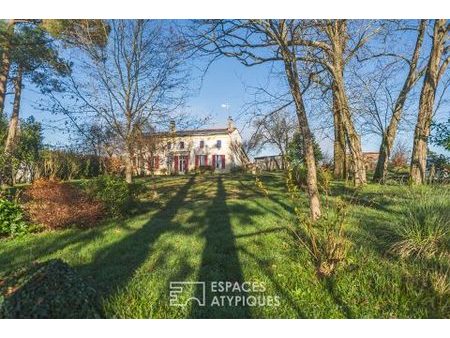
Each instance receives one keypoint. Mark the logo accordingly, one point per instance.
(180, 293)
(221, 293)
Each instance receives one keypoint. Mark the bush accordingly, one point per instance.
(424, 228)
(58, 205)
(47, 290)
(113, 191)
(12, 222)
(324, 176)
(325, 239)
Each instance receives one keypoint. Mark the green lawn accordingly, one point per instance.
(221, 228)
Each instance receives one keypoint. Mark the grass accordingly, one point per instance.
(224, 228)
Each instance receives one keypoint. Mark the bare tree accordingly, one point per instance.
(438, 61)
(389, 134)
(137, 79)
(333, 44)
(276, 129)
(255, 42)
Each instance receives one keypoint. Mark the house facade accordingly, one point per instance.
(180, 152)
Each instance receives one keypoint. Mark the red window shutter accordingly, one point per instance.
(223, 161)
(214, 161)
(175, 163)
(186, 163)
(196, 161)
(156, 162)
(206, 159)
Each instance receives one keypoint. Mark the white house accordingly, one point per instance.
(179, 152)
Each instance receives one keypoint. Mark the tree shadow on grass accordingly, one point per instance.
(39, 246)
(114, 265)
(272, 196)
(220, 261)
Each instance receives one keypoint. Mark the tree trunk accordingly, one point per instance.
(339, 158)
(426, 103)
(14, 122)
(354, 141)
(6, 63)
(11, 140)
(337, 33)
(310, 162)
(391, 131)
(129, 168)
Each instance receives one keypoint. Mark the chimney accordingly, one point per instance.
(172, 128)
(231, 127)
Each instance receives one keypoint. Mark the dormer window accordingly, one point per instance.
(219, 144)
(181, 145)
(202, 144)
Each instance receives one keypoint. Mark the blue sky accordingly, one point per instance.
(227, 82)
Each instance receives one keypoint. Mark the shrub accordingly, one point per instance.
(113, 191)
(261, 186)
(114, 165)
(325, 240)
(423, 229)
(324, 176)
(12, 222)
(57, 205)
(47, 290)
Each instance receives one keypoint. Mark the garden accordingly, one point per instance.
(391, 259)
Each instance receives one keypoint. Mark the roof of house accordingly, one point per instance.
(264, 157)
(193, 132)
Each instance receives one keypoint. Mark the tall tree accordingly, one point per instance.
(333, 44)
(438, 61)
(74, 32)
(6, 37)
(35, 57)
(255, 42)
(137, 78)
(388, 136)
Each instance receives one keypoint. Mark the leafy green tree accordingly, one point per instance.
(79, 33)
(25, 158)
(35, 56)
(441, 135)
(296, 152)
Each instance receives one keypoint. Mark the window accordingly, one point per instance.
(202, 144)
(219, 144)
(169, 145)
(181, 145)
(219, 161)
(201, 160)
